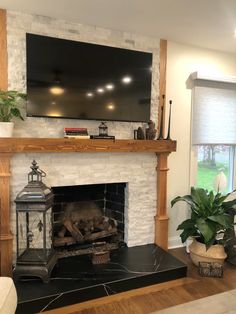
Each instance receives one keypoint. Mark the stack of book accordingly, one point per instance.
(78, 133)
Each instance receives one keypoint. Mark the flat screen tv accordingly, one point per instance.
(71, 79)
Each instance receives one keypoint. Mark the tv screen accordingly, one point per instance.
(70, 79)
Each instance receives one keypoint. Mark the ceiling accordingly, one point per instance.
(204, 23)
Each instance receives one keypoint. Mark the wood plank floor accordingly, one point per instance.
(157, 297)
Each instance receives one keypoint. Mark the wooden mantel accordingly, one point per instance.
(10, 146)
(63, 145)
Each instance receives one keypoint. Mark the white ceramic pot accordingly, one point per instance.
(6, 129)
(198, 253)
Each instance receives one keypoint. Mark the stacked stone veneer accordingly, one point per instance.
(138, 169)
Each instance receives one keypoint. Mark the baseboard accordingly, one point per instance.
(175, 242)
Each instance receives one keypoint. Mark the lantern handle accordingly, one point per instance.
(36, 171)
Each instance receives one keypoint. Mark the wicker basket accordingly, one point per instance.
(210, 269)
(102, 257)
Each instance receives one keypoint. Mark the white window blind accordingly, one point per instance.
(213, 112)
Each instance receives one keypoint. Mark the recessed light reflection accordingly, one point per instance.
(100, 90)
(126, 79)
(89, 94)
(109, 86)
(56, 90)
(54, 113)
(53, 103)
(111, 106)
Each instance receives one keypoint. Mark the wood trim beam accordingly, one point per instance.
(6, 237)
(161, 219)
(162, 79)
(63, 145)
(3, 50)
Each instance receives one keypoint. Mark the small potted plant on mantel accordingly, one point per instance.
(9, 109)
(208, 225)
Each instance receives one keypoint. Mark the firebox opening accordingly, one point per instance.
(87, 216)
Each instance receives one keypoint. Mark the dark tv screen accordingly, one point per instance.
(70, 79)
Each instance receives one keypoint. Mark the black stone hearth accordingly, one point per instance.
(76, 279)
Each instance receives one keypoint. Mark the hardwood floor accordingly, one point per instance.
(157, 297)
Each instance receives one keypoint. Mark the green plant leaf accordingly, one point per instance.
(223, 220)
(9, 105)
(205, 229)
(187, 224)
(186, 234)
(229, 204)
(16, 113)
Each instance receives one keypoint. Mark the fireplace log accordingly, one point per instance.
(62, 232)
(63, 241)
(100, 234)
(89, 237)
(73, 229)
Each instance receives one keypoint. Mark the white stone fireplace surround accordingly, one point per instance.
(83, 168)
(138, 169)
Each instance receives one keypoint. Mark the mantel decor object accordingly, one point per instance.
(151, 131)
(103, 129)
(35, 254)
(140, 134)
(168, 131)
(161, 130)
(103, 133)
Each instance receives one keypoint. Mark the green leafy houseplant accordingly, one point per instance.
(9, 105)
(209, 216)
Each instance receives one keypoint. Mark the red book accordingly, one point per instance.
(75, 129)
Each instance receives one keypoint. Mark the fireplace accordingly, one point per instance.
(91, 162)
(140, 264)
(88, 215)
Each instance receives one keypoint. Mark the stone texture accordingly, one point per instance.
(138, 170)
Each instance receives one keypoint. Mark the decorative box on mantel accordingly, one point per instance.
(35, 255)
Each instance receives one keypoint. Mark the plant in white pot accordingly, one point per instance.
(9, 109)
(208, 225)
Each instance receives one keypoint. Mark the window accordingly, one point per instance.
(214, 132)
(215, 167)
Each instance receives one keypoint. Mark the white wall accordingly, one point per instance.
(182, 60)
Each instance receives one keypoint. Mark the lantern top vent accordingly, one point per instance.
(35, 174)
(35, 191)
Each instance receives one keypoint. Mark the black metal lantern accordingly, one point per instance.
(103, 129)
(35, 254)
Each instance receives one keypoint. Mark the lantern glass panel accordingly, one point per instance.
(35, 235)
(22, 238)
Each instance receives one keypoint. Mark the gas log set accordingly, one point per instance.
(83, 222)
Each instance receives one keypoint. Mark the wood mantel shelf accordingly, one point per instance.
(11, 146)
(47, 145)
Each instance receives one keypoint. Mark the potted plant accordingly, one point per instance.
(208, 225)
(9, 109)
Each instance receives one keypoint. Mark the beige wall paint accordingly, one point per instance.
(182, 60)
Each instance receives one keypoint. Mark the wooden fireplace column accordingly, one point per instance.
(10, 146)
(6, 237)
(161, 218)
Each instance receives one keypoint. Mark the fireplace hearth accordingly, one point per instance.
(77, 279)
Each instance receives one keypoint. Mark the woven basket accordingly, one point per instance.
(102, 257)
